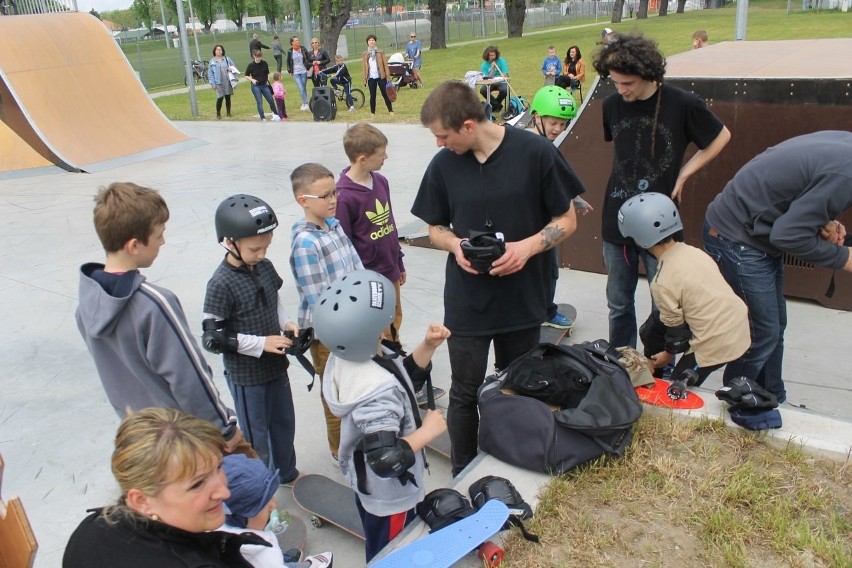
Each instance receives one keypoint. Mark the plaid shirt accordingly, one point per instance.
(248, 301)
(318, 257)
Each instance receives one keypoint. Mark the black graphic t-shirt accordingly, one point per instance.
(683, 118)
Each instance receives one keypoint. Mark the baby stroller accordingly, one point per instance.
(400, 70)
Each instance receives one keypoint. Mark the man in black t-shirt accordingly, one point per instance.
(650, 126)
(500, 180)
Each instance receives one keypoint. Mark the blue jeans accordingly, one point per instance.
(266, 92)
(758, 279)
(268, 420)
(622, 268)
(301, 80)
(469, 365)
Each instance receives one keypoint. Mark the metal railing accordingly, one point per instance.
(18, 7)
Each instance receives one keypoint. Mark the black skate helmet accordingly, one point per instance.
(242, 215)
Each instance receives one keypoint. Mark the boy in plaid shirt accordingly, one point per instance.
(320, 254)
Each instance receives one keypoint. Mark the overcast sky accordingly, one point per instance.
(103, 5)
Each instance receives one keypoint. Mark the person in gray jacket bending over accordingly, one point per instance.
(786, 200)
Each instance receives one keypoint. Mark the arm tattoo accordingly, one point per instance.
(551, 236)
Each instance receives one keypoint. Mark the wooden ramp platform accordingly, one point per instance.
(69, 98)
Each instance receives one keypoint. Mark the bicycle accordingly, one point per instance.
(199, 72)
(340, 94)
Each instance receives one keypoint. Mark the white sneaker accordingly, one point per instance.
(351, 108)
(276, 118)
(304, 107)
(323, 560)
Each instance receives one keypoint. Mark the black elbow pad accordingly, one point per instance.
(677, 338)
(216, 338)
(387, 455)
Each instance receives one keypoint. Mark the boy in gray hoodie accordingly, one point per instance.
(371, 388)
(120, 312)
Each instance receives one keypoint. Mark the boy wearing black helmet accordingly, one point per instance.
(243, 321)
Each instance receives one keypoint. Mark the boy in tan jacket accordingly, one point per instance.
(700, 315)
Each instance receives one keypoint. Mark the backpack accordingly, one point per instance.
(558, 406)
(516, 105)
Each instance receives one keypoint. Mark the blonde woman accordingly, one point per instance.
(168, 466)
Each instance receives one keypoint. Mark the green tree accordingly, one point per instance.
(126, 18)
(516, 12)
(617, 10)
(234, 10)
(205, 11)
(438, 19)
(270, 9)
(144, 11)
(333, 15)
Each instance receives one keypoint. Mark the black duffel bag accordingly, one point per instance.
(568, 404)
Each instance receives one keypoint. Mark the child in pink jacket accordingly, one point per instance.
(278, 92)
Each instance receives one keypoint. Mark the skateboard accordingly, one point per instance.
(658, 396)
(294, 536)
(422, 400)
(554, 335)
(328, 501)
(441, 444)
(443, 548)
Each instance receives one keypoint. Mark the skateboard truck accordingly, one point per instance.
(678, 389)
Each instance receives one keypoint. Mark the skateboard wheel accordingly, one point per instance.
(491, 554)
(316, 521)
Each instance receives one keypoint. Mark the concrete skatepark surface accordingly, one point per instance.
(56, 426)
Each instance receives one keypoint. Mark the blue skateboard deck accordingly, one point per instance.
(447, 546)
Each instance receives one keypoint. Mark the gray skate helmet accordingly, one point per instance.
(649, 218)
(242, 215)
(351, 313)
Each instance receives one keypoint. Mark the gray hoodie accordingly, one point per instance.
(368, 399)
(145, 354)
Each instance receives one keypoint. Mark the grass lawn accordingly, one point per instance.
(767, 20)
(692, 493)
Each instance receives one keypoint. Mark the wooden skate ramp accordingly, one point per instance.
(69, 97)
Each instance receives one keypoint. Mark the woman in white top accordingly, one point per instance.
(376, 73)
(297, 58)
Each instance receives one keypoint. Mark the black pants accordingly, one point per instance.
(380, 83)
(498, 94)
(469, 366)
(227, 105)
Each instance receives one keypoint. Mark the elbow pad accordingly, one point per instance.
(677, 338)
(652, 333)
(387, 455)
(216, 338)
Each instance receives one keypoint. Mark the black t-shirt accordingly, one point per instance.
(683, 118)
(520, 188)
(259, 71)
